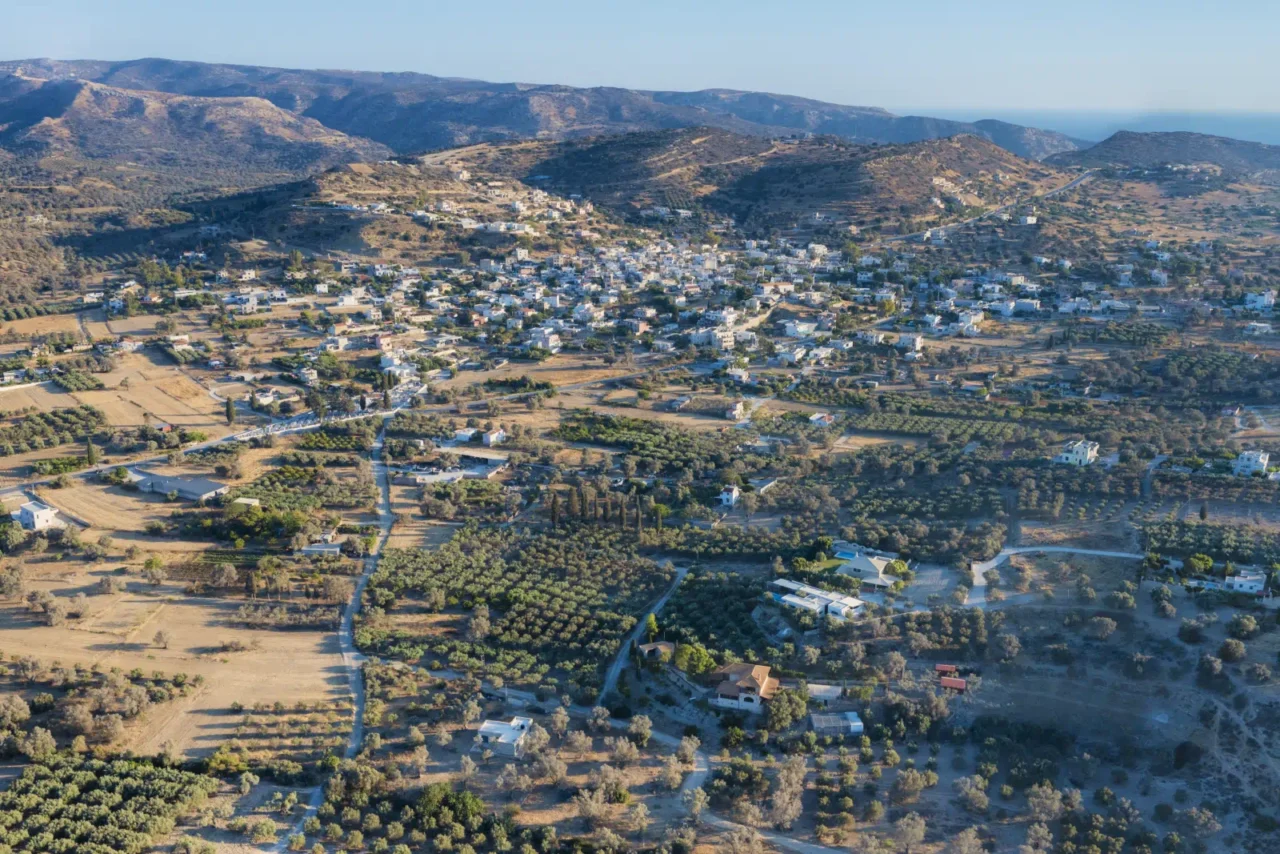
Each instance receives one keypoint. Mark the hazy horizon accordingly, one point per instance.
(861, 54)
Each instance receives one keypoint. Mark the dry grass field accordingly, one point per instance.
(119, 631)
(49, 323)
(140, 388)
(45, 397)
(107, 509)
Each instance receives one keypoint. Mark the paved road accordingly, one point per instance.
(624, 654)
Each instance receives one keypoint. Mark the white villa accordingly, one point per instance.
(1250, 463)
(1078, 453)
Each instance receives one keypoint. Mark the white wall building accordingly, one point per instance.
(1079, 453)
(504, 738)
(1250, 463)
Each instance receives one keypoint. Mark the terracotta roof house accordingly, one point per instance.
(745, 687)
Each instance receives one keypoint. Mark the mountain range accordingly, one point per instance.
(410, 112)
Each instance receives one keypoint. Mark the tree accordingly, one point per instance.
(695, 801)
(1044, 802)
(90, 452)
(909, 831)
(230, 412)
(560, 721)
(1007, 646)
(1101, 627)
(599, 719)
(907, 786)
(745, 840)
(651, 627)
(1232, 650)
(38, 745)
(161, 639)
(577, 742)
(967, 841)
(640, 730)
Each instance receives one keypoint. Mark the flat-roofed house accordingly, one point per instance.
(504, 738)
(36, 516)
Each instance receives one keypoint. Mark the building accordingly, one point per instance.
(744, 687)
(36, 516)
(870, 569)
(1078, 453)
(494, 437)
(322, 549)
(729, 496)
(1250, 463)
(821, 603)
(504, 738)
(845, 723)
(188, 489)
(1249, 581)
(1265, 301)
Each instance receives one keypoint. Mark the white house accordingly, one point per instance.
(1264, 301)
(868, 568)
(814, 600)
(1078, 453)
(35, 516)
(729, 496)
(911, 342)
(1250, 463)
(504, 738)
(494, 437)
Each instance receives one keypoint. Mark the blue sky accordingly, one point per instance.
(978, 56)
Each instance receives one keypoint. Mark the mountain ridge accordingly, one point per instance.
(163, 130)
(1154, 149)
(410, 111)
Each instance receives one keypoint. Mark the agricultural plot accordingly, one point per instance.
(120, 630)
(547, 609)
(48, 324)
(109, 509)
(44, 397)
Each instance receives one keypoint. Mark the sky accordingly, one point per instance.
(978, 58)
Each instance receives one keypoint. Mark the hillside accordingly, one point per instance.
(155, 130)
(1234, 157)
(772, 184)
(415, 112)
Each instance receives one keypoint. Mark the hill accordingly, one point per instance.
(415, 112)
(213, 136)
(1235, 158)
(767, 184)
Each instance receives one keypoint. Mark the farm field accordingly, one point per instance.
(43, 396)
(119, 631)
(108, 509)
(43, 325)
(139, 390)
